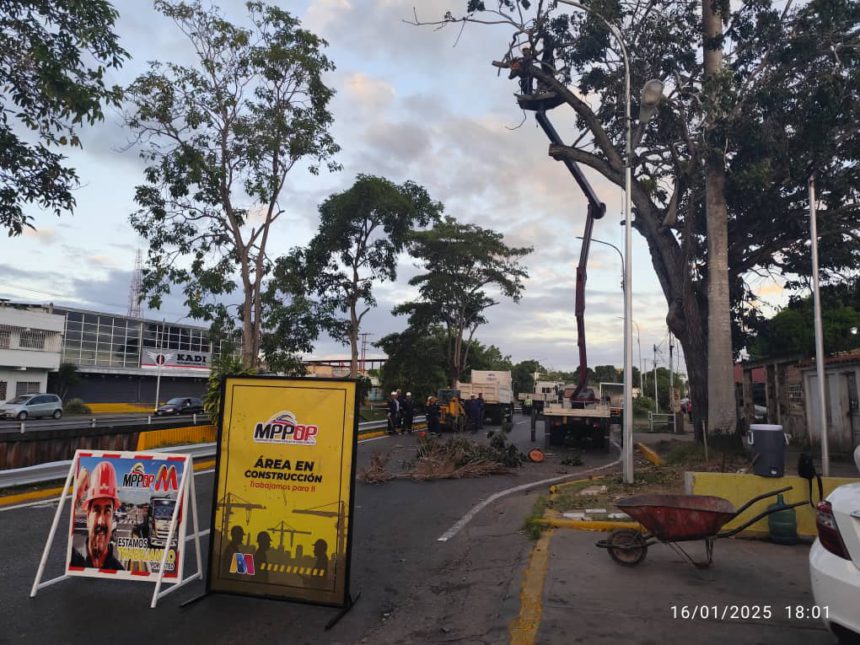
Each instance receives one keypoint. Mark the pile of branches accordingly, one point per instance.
(455, 458)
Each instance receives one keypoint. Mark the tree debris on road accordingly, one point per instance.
(456, 458)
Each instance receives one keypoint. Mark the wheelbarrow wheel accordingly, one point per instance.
(627, 547)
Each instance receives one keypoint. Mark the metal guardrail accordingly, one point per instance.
(106, 421)
(58, 469)
(661, 419)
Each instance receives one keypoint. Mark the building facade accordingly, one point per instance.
(127, 360)
(30, 348)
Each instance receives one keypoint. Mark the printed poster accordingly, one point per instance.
(122, 507)
(283, 495)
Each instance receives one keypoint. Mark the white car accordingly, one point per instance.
(834, 561)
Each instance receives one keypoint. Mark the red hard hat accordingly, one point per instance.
(103, 483)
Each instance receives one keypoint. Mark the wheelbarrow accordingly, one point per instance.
(671, 519)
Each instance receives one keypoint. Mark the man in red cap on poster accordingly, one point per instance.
(101, 503)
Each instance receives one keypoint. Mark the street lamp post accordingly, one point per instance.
(627, 433)
(650, 98)
(819, 340)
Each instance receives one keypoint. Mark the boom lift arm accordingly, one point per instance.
(596, 210)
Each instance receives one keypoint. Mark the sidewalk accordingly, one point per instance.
(589, 598)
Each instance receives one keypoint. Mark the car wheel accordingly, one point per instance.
(57, 414)
(22, 416)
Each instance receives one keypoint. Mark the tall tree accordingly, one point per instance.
(53, 60)
(361, 233)
(221, 137)
(416, 361)
(462, 262)
(784, 101)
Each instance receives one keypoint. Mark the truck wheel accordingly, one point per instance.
(556, 436)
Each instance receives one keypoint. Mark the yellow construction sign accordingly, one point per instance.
(283, 494)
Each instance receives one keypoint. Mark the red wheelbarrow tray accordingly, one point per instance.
(677, 518)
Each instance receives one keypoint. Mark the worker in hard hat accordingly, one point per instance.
(431, 412)
(393, 415)
(101, 502)
(407, 412)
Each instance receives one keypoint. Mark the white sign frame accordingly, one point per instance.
(186, 494)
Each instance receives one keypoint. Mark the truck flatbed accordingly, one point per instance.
(599, 412)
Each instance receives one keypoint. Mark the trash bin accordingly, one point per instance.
(768, 445)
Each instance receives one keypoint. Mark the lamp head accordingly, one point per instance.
(651, 95)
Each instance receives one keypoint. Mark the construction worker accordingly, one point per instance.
(101, 503)
(432, 412)
(407, 412)
(527, 408)
(393, 415)
(480, 413)
(470, 406)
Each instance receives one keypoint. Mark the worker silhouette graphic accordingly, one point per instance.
(234, 547)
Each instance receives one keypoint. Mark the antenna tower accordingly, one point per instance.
(136, 287)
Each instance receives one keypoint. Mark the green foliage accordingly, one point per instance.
(361, 232)
(792, 331)
(522, 376)
(53, 60)
(226, 365)
(532, 526)
(461, 261)
(76, 406)
(416, 362)
(220, 138)
(642, 405)
(65, 379)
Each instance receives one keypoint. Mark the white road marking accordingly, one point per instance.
(201, 534)
(463, 521)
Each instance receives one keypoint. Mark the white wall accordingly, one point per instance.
(11, 378)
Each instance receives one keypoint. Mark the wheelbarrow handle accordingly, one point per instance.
(764, 513)
(759, 498)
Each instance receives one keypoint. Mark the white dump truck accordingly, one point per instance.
(496, 388)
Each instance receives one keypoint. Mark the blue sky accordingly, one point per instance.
(409, 105)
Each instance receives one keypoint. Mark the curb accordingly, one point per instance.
(649, 454)
(587, 525)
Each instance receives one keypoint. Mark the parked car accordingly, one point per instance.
(181, 405)
(27, 406)
(834, 561)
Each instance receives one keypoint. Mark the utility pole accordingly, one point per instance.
(720, 411)
(821, 376)
(656, 393)
(364, 336)
(671, 381)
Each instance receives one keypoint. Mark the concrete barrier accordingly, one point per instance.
(176, 436)
(738, 488)
(120, 408)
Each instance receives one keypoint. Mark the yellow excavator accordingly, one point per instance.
(452, 415)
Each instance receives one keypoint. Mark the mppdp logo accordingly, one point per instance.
(283, 428)
(137, 477)
(242, 564)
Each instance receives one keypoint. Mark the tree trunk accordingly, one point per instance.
(721, 411)
(353, 340)
(249, 355)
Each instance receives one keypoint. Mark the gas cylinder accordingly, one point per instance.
(782, 524)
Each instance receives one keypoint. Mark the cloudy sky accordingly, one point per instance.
(409, 105)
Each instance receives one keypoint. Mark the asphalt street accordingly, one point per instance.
(413, 587)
